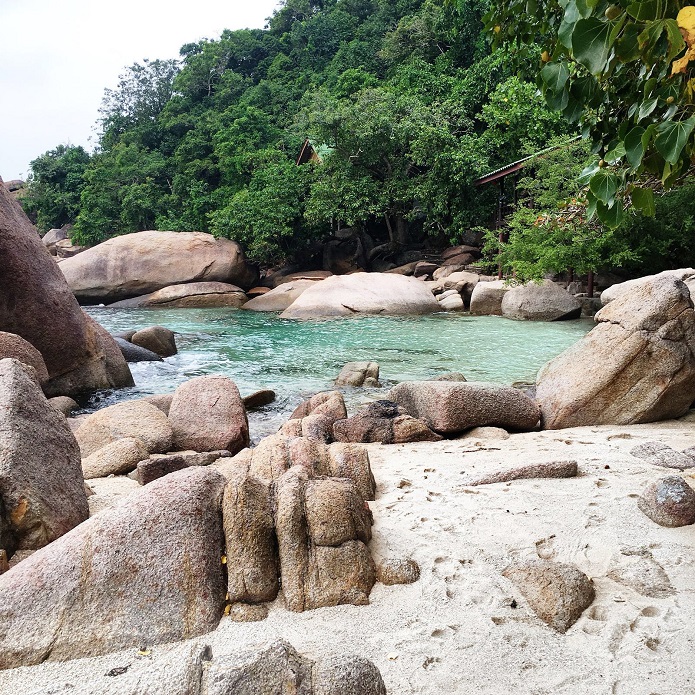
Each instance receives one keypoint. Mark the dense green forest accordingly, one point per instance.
(404, 102)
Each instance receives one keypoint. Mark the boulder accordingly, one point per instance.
(363, 293)
(281, 297)
(287, 274)
(452, 302)
(621, 288)
(116, 366)
(258, 399)
(157, 339)
(66, 249)
(540, 302)
(189, 295)
(359, 374)
(53, 236)
(669, 501)
(161, 401)
(207, 413)
(397, 571)
(662, 455)
(145, 572)
(547, 469)
(637, 365)
(15, 347)
(351, 461)
(455, 406)
(347, 675)
(135, 353)
(486, 298)
(36, 304)
(158, 465)
(135, 264)
(42, 492)
(115, 458)
(325, 403)
(64, 404)
(556, 592)
(132, 419)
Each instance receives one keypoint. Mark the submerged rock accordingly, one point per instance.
(156, 339)
(359, 374)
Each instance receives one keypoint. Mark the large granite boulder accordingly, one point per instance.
(454, 406)
(157, 339)
(15, 347)
(637, 365)
(620, 288)
(36, 304)
(207, 414)
(359, 374)
(145, 572)
(540, 302)
(135, 264)
(189, 295)
(281, 297)
(486, 298)
(363, 293)
(42, 492)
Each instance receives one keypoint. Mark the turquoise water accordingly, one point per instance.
(299, 358)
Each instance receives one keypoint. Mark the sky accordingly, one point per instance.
(58, 56)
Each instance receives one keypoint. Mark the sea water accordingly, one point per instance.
(299, 358)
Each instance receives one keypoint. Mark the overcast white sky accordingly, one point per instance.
(58, 56)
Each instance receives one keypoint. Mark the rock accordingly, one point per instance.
(669, 501)
(424, 269)
(359, 374)
(462, 282)
(287, 274)
(102, 587)
(325, 403)
(659, 454)
(454, 251)
(637, 365)
(53, 236)
(248, 612)
(159, 465)
(486, 298)
(161, 401)
(66, 249)
(318, 427)
(639, 571)
(207, 413)
(448, 407)
(253, 566)
(279, 298)
(397, 571)
(188, 295)
(314, 575)
(135, 353)
(550, 469)
(116, 458)
(453, 302)
(36, 304)
(486, 434)
(352, 461)
(116, 366)
(363, 293)
(156, 339)
(347, 675)
(623, 288)
(258, 399)
(590, 306)
(557, 593)
(64, 404)
(4, 564)
(257, 291)
(42, 492)
(136, 419)
(15, 347)
(144, 262)
(383, 422)
(450, 376)
(540, 302)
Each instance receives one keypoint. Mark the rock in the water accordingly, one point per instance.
(258, 399)
(145, 572)
(135, 264)
(549, 469)
(363, 293)
(135, 353)
(450, 376)
(398, 571)
(449, 407)
(15, 347)
(279, 298)
(115, 458)
(669, 501)
(64, 404)
(347, 675)
(36, 304)
(558, 593)
(156, 339)
(359, 374)
(637, 365)
(207, 414)
(136, 419)
(325, 403)
(662, 455)
(42, 492)
(453, 302)
(544, 302)
(486, 299)
(189, 295)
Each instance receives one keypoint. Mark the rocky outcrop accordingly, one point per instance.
(637, 365)
(135, 264)
(281, 297)
(453, 406)
(363, 293)
(669, 501)
(189, 295)
(42, 492)
(486, 298)
(359, 374)
(157, 339)
(15, 347)
(36, 304)
(207, 414)
(540, 302)
(142, 573)
(621, 288)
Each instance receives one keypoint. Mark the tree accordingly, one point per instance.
(623, 72)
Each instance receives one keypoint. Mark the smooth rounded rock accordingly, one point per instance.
(135, 353)
(397, 571)
(669, 501)
(157, 339)
(14, 346)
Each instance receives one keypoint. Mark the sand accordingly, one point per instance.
(463, 628)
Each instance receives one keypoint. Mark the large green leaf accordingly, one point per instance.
(555, 76)
(672, 137)
(634, 149)
(646, 108)
(610, 216)
(591, 44)
(643, 199)
(675, 39)
(647, 10)
(603, 185)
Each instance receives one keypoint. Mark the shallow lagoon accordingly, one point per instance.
(299, 358)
